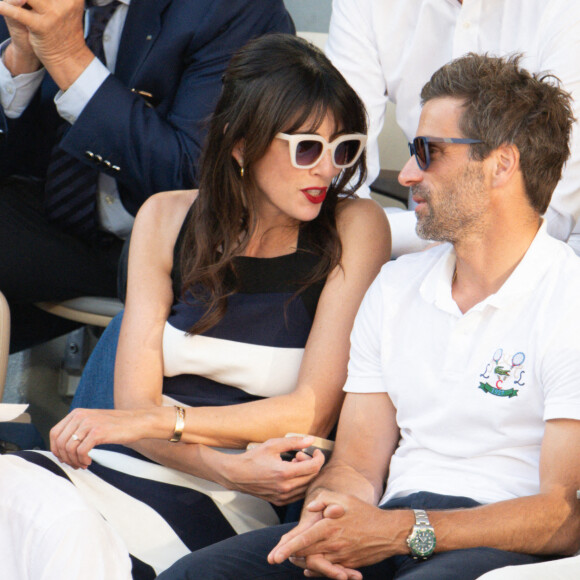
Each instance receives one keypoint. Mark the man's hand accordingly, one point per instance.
(343, 530)
(19, 57)
(316, 564)
(53, 29)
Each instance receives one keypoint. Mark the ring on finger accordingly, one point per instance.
(75, 437)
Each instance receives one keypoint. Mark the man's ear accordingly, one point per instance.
(506, 163)
(238, 152)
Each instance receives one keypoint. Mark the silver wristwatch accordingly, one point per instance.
(422, 539)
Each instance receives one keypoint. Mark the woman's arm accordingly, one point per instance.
(313, 406)
(139, 359)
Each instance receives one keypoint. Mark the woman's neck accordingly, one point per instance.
(273, 242)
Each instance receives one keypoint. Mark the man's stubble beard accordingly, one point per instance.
(457, 212)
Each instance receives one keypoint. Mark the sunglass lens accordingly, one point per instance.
(346, 152)
(420, 147)
(308, 152)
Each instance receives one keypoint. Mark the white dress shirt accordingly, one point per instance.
(388, 49)
(17, 92)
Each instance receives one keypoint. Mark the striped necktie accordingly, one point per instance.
(71, 185)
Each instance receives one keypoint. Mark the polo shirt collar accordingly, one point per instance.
(436, 287)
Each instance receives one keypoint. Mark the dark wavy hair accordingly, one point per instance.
(276, 83)
(504, 103)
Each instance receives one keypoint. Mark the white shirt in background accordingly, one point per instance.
(388, 49)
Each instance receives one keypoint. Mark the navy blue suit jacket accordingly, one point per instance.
(149, 118)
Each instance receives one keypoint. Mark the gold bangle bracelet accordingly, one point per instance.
(179, 424)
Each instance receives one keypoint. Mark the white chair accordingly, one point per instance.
(91, 310)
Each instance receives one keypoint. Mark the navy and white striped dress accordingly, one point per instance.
(253, 352)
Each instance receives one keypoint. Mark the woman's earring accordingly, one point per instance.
(241, 171)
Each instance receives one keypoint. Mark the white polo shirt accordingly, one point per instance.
(472, 391)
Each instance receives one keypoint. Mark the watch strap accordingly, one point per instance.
(421, 518)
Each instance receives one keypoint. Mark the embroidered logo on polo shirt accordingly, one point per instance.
(505, 372)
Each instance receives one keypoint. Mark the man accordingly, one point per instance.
(462, 391)
(133, 120)
(388, 49)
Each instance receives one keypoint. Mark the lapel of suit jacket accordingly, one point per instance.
(142, 26)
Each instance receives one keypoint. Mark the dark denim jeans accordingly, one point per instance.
(95, 390)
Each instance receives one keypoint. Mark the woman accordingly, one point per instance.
(241, 297)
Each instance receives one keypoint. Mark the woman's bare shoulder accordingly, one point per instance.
(354, 216)
(166, 209)
(168, 202)
(365, 234)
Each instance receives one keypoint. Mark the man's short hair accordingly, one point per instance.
(505, 103)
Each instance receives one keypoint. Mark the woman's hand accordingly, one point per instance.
(72, 438)
(261, 471)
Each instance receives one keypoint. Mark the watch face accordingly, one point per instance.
(422, 542)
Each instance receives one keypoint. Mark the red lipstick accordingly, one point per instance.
(319, 194)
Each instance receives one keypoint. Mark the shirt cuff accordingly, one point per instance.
(567, 410)
(70, 104)
(17, 92)
(366, 384)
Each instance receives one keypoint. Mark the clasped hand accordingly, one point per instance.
(336, 534)
(46, 32)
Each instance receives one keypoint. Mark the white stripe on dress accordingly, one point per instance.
(264, 371)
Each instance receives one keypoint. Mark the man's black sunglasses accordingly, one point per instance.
(420, 148)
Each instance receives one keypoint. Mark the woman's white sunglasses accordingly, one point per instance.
(306, 151)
